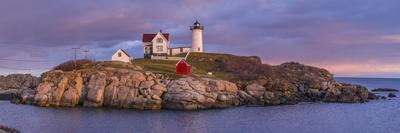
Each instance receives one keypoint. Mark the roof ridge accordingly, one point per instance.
(150, 37)
(124, 52)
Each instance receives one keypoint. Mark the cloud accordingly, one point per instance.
(364, 70)
(325, 33)
(391, 38)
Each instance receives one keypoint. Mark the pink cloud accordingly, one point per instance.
(391, 38)
(360, 70)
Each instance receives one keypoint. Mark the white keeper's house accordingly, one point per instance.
(157, 46)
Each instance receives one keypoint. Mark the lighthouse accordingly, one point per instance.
(197, 37)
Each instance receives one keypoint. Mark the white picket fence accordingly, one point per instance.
(166, 58)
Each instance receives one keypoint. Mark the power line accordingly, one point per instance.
(23, 60)
(75, 51)
(18, 68)
(2, 67)
(29, 60)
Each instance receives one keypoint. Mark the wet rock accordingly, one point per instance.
(347, 93)
(8, 94)
(386, 89)
(392, 95)
(13, 84)
(372, 96)
(5, 129)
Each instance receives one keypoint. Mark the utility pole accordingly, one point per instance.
(86, 54)
(75, 51)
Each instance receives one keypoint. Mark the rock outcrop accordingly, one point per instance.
(200, 93)
(386, 89)
(4, 129)
(347, 93)
(120, 88)
(392, 95)
(134, 88)
(16, 83)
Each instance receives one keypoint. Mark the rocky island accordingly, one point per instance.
(15, 84)
(4, 129)
(150, 84)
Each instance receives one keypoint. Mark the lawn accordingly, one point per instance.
(201, 63)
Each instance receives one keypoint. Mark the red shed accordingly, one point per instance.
(182, 67)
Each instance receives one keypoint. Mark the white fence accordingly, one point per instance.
(166, 58)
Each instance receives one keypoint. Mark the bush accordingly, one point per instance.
(245, 68)
(69, 65)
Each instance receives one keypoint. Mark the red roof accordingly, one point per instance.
(182, 61)
(150, 37)
(182, 67)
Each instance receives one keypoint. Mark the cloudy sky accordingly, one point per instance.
(348, 37)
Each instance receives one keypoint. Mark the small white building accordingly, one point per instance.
(122, 56)
(178, 50)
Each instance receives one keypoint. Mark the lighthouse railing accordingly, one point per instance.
(196, 27)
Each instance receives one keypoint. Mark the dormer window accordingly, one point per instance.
(159, 48)
(159, 40)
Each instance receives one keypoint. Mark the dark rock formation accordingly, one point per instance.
(392, 95)
(372, 96)
(4, 129)
(16, 83)
(347, 94)
(386, 89)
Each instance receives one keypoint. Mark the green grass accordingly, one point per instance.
(201, 63)
(161, 66)
(222, 66)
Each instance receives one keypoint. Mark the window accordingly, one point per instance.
(159, 48)
(146, 50)
(119, 54)
(181, 49)
(159, 40)
(198, 49)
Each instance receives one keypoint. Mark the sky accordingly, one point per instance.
(351, 38)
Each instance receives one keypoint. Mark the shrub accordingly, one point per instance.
(246, 68)
(69, 65)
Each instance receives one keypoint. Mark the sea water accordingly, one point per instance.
(380, 116)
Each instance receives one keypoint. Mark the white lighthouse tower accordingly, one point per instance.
(197, 37)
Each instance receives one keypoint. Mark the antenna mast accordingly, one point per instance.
(187, 54)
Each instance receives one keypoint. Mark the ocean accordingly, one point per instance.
(379, 116)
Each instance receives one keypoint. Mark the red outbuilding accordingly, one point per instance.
(182, 67)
